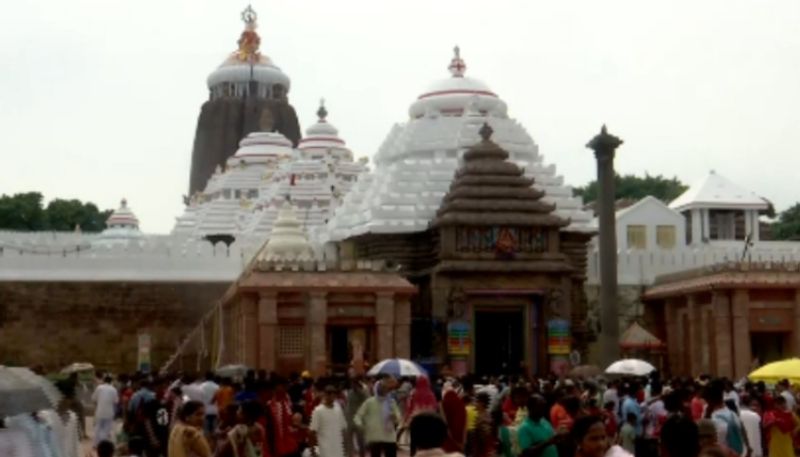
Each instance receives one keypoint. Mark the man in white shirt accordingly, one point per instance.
(786, 392)
(328, 427)
(105, 397)
(752, 426)
(611, 395)
(210, 388)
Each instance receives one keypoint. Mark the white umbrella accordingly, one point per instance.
(397, 367)
(630, 367)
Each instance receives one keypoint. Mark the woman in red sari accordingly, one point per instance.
(455, 414)
(421, 399)
(280, 409)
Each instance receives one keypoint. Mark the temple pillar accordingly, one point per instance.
(268, 330)
(316, 321)
(238, 325)
(671, 324)
(249, 330)
(384, 319)
(695, 336)
(402, 327)
(721, 309)
(796, 326)
(740, 315)
(756, 225)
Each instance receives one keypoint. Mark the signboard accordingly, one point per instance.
(458, 341)
(558, 337)
(143, 359)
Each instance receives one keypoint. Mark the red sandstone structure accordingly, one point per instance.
(728, 319)
(288, 312)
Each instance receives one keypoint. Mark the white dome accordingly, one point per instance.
(122, 228)
(247, 64)
(322, 139)
(288, 241)
(234, 71)
(260, 147)
(454, 95)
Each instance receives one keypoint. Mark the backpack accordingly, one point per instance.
(733, 437)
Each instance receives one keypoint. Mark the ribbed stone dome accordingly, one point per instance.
(489, 190)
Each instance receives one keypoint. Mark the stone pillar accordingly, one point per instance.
(796, 326)
(402, 327)
(695, 336)
(756, 226)
(268, 331)
(384, 318)
(249, 330)
(238, 325)
(316, 320)
(671, 324)
(748, 222)
(721, 308)
(740, 315)
(605, 146)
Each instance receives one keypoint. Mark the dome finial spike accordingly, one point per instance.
(124, 202)
(486, 131)
(322, 113)
(457, 66)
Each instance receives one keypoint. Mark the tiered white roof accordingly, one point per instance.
(244, 199)
(418, 159)
(247, 64)
(288, 245)
(715, 191)
(122, 227)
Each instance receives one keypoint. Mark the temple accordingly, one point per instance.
(461, 248)
(242, 199)
(246, 88)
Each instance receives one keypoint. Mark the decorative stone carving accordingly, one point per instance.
(555, 302)
(456, 302)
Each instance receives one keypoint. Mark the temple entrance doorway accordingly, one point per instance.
(768, 347)
(344, 343)
(499, 339)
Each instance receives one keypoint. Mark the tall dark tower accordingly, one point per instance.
(247, 93)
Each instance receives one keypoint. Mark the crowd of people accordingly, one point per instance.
(263, 415)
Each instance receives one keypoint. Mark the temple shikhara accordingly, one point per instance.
(456, 245)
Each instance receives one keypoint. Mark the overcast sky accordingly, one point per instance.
(99, 98)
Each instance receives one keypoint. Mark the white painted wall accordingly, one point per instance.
(651, 213)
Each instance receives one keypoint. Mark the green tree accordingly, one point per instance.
(25, 212)
(787, 227)
(22, 212)
(635, 187)
(64, 215)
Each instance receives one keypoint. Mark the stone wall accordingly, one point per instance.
(56, 323)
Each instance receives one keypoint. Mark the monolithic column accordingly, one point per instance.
(605, 146)
(721, 309)
(249, 330)
(268, 330)
(402, 328)
(316, 320)
(384, 318)
(740, 307)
